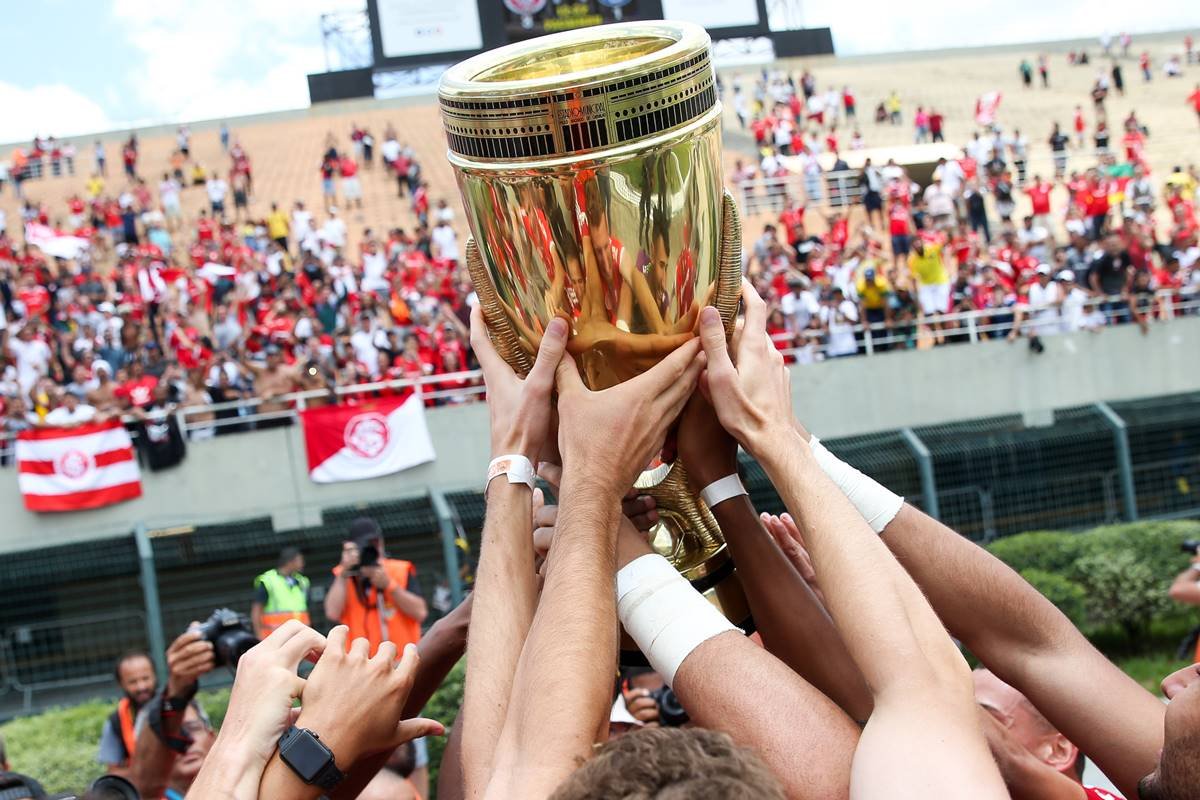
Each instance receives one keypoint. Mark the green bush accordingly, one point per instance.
(1123, 590)
(443, 707)
(58, 747)
(1065, 593)
(1123, 572)
(1045, 551)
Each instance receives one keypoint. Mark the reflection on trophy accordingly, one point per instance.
(590, 167)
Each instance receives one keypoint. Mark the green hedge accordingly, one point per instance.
(58, 747)
(1112, 578)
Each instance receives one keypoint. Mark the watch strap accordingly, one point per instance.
(722, 489)
(515, 466)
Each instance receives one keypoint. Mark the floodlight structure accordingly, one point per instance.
(346, 39)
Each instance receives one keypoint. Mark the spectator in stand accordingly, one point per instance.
(351, 186)
(927, 266)
(217, 190)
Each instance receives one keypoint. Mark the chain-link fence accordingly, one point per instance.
(68, 612)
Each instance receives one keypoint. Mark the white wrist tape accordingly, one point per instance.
(722, 489)
(878, 505)
(663, 613)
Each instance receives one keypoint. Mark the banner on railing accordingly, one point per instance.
(70, 469)
(367, 440)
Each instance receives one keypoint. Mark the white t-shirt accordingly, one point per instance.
(1041, 306)
(1073, 317)
(952, 177)
(217, 189)
(390, 150)
(799, 309)
(374, 267)
(33, 361)
(61, 416)
(363, 343)
(334, 232)
(446, 240)
(841, 321)
(939, 201)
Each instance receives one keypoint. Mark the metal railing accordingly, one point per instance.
(837, 190)
(871, 339)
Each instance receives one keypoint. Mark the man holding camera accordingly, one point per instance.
(1186, 586)
(378, 598)
(136, 677)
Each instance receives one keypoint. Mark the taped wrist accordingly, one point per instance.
(877, 504)
(663, 613)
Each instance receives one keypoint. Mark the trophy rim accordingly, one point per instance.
(461, 80)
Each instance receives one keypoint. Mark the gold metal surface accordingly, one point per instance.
(589, 164)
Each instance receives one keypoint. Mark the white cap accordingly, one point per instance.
(1043, 269)
(1066, 275)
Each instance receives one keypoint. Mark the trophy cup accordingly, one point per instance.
(589, 164)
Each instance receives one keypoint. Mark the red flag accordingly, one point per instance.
(349, 443)
(986, 107)
(68, 469)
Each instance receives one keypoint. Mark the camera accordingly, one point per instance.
(230, 634)
(670, 711)
(1191, 546)
(368, 556)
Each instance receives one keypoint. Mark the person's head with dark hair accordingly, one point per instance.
(135, 675)
(365, 530)
(664, 763)
(291, 560)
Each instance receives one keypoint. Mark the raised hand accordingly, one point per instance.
(188, 658)
(265, 689)
(753, 398)
(611, 435)
(520, 408)
(708, 451)
(354, 703)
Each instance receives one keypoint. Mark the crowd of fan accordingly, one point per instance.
(1107, 244)
(159, 310)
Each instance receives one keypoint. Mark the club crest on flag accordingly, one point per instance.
(380, 437)
(74, 465)
(367, 435)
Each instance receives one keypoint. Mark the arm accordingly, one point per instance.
(723, 684)
(795, 627)
(439, 650)
(335, 599)
(1018, 634)
(1186, 586)
(562, 691)
(188, 658)
(505, 590)
(354, 704)
(911, 666)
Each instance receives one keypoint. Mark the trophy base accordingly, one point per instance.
(720, 586)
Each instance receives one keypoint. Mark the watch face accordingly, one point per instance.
(306, 755)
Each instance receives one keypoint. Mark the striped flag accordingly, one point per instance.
(69, 469)
(379, 437)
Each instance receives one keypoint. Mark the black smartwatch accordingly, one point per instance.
(309, 758)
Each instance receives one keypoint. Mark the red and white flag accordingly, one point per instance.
(350, 443)
(986, 107)
(52, 242)
(69, 469)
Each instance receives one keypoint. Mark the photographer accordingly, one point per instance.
(171, 752)
(376, 597)
(1186, 586)
(135, 675)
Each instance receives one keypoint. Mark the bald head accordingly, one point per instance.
(1026, 724)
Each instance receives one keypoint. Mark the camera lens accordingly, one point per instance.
(232, 645)
(670, 710)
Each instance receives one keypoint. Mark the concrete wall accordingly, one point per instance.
(264, 472)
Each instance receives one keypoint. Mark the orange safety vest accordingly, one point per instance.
(362, 617)
(128, 734)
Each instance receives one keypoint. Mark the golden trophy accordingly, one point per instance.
(589, 164)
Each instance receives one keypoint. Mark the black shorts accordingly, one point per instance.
(873, 201)
(900, 244)
(239, 199)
